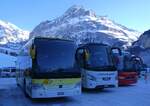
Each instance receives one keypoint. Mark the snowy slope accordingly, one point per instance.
(142, 47)
(84, 26)
(144, 40)
(11, 36)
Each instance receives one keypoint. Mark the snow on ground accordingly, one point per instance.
(135, 95)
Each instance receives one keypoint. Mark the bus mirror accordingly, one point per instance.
(86, 55)
(32, 52)
(80, 56)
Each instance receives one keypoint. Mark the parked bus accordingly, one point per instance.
(97, 67)
(127, 67)
(47, 67)
(8, 72)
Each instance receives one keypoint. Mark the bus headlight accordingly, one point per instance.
(91, 77)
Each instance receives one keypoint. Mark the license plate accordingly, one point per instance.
(60, 93)
(106, 78)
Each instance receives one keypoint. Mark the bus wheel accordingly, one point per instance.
(24, 89)
(17, 84)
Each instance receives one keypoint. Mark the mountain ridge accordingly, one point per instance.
(78, 24)
(82, 26)
(10, 34)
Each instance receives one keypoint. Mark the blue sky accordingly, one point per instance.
(26, 14)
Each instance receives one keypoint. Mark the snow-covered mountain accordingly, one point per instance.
(144, 40)
(84, 26)
(11, 36)
(142, 47)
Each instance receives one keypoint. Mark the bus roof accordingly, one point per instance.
(29, 43)
(91, 44)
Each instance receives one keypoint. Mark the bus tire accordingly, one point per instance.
(24, 90)
(17, 84)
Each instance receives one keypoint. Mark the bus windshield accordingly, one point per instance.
(55, 55)
(99, 59)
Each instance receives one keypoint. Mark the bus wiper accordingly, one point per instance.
(59, 70)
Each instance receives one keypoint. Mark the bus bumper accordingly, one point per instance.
(102, 79)
(127, 82)
(92, 84)
(41, 93)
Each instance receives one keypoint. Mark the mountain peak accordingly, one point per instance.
(82, 25)
(147, 32)
(76, 7)
(8, 25)
(77, 11)
(10, 33)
